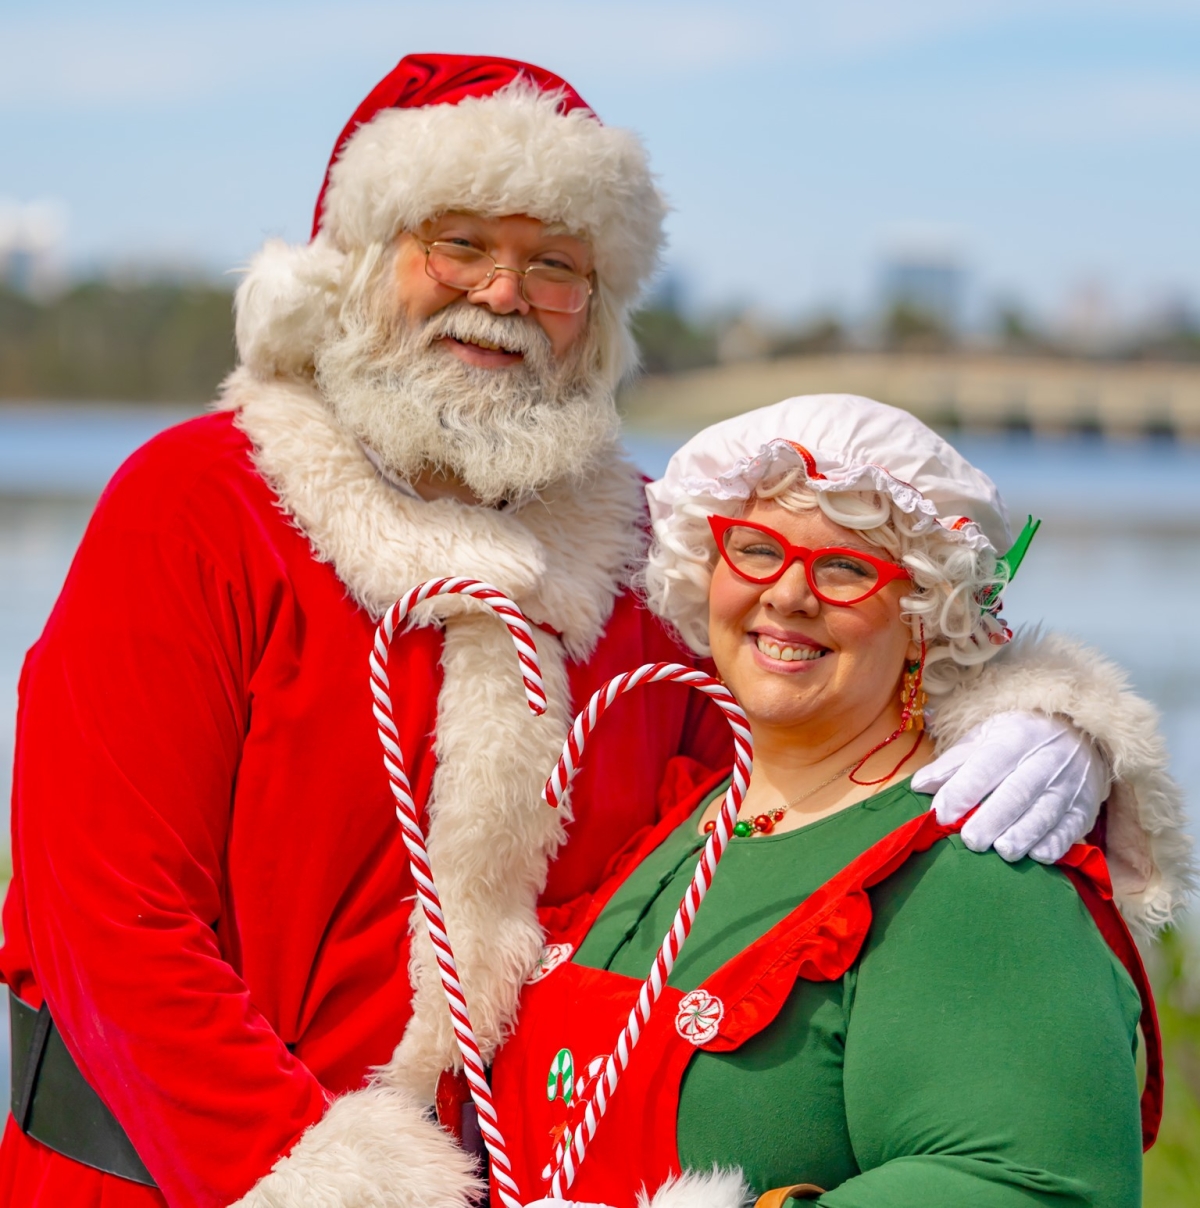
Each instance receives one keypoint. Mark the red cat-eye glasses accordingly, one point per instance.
(835, 575)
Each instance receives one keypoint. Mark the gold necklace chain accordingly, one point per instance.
(783, 809)
(823, 785)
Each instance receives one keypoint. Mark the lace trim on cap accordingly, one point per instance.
(740, 481)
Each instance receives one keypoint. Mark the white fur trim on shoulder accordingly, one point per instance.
(374, 1148)
(715, 1188)
(512, 152)
(286, 304)
(1149, 851)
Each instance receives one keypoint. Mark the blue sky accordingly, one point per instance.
(1049, 143)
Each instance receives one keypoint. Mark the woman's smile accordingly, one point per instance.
(784, 652)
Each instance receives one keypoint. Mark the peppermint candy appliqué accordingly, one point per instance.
(551, 957)
(699, 1017)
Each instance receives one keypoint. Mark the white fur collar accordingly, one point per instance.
(563, 558)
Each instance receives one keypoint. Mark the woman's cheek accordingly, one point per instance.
(726, 612)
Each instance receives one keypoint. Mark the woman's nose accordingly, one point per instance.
(502, 294)
(790, 593)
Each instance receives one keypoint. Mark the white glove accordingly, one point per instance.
(1045, 778)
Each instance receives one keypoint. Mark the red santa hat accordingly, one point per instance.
(442, 132)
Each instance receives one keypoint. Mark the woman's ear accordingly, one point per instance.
(912, 652)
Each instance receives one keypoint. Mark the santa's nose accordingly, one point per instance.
(502, 294)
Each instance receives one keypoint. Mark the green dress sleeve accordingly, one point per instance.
(990, 1045)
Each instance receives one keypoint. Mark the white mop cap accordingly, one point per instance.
(842, 442)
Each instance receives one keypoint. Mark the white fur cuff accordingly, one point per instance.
(1149, 851)
(715, 1188)
(374, 1148)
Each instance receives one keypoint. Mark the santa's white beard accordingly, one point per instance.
(505, 433)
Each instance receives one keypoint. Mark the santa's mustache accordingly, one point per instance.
(471, 324)
(507, 433)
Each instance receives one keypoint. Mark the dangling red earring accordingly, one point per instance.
(912, 695)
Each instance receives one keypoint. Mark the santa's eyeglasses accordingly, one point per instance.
(543, 286)
(835, 575)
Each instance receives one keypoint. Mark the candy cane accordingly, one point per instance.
(595, 1104)
(581, 1086)
(561, 1079)
(414, 840)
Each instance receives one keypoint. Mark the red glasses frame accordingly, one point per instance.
(888, 572)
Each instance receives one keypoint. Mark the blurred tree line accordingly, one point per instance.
(170, 341)
(671, 342)
(166, 342)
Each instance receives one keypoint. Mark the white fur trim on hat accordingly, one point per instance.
(509, 153)
(856, 444)
(286, 304)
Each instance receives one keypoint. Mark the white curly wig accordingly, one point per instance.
(869, 468)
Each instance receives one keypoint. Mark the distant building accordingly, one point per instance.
(930, 283)
(31, 246)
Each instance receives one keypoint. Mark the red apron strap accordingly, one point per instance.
(1086, 867)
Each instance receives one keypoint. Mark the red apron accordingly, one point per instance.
(571, 1015)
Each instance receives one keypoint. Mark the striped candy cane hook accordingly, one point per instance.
(594, 1102)
(414, 840)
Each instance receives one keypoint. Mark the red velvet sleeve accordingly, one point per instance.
(132, 711)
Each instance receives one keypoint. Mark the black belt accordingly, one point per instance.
(53, 1103)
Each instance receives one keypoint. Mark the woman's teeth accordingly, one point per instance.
(786, 653)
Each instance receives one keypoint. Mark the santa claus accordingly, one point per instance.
(209, 937)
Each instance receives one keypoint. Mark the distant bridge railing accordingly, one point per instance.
(1043, 394)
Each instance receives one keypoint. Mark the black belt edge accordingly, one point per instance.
(53, 1103)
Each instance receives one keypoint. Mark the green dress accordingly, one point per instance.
(980, 1052)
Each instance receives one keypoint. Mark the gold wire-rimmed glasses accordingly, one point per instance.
(543, 286)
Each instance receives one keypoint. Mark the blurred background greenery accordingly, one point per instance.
(1172, 1170)
(166, 340)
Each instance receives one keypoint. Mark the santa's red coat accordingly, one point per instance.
(209, 884)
